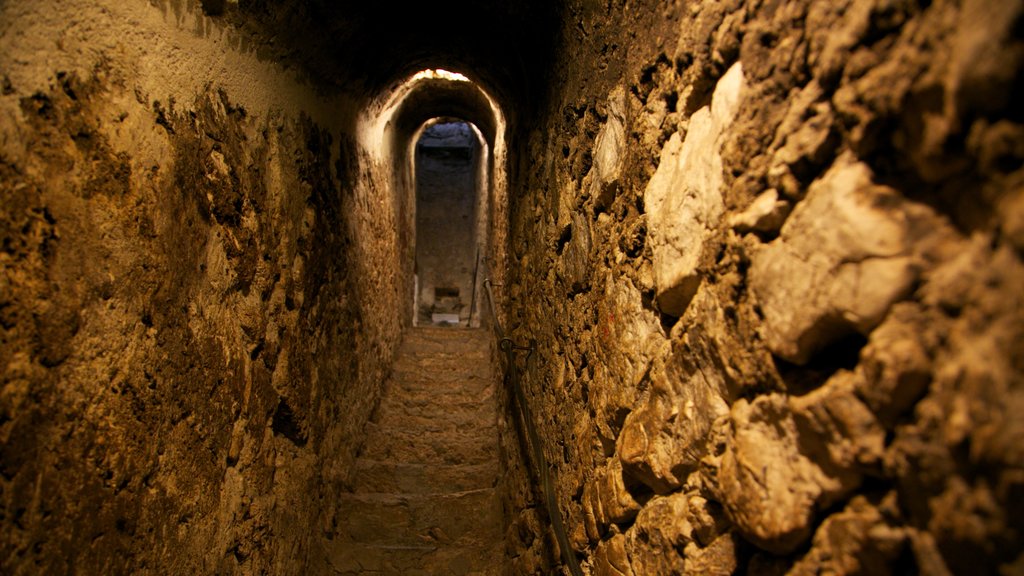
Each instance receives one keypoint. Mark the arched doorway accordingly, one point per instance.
(450, 172)
(390, 130)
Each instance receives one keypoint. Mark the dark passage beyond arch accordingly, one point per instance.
(448, 154)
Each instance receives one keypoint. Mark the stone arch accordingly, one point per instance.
(390, 128)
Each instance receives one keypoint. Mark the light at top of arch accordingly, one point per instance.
(439, 74)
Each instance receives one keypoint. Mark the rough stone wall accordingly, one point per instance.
(187, 351)
(771, 251)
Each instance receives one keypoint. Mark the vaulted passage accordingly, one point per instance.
(521, 287)
(450, 166)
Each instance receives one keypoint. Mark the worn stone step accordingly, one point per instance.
(422, 347)
(438, 397)
(391, 477)
(423, 497)
(418, 381)
(462, 419)
(434, 519)
(354, 559)
(440, 369)
(419, 447)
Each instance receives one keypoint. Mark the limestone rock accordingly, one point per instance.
(719, 558)
(804, 140)
(684, 197)
(627, 336)
(854, 541)
(609, 150)
(896, 363)
(606, 500)
(660, 533)
(663, 440)
(707, 518)
(767, 486)
(765, 214)
(575, 260)
(610, 558)
(792, 456)
(837, 430)
(789, 458)
(842, 259)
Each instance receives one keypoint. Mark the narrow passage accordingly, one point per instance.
(424, 499)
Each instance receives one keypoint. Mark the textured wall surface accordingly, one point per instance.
(771, 254)
(194, 312)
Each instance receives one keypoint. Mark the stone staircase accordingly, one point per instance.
(424, 499)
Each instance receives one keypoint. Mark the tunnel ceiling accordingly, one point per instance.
(369, 46)
(440, 98)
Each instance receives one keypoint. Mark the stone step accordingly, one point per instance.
(442, 366)
(432, 519)
(352, 559)
(420, 346)
(413, 394)
(423, 497)
(391, 477)
(419, 383)
(461, 419)
(434, 333)
(419, 447)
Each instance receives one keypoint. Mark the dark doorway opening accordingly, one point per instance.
(448, 155)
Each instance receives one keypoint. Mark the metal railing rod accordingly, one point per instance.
(539, 459)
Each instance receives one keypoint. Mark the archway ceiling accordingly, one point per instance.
(440, 98)
(371, 45)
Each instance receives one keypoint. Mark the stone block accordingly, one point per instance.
(854, 541)
(767, 486)
(609, 150)
(790, 457)
(843, 258)
(719, 558)
(684, 197)
(606, 500)
(837, 430)
(663, 440)
(765, 214)
(896, 363)
(660, 533)
(574, 265)
(610, 558)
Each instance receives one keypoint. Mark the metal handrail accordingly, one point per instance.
(540, 460)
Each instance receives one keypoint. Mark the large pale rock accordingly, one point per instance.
(854, 541)
(660, 533)
(663, 440)
(790, 457)
(610, 558)
(606, 500)
(609, 149)
(684, 197)
(767, 486)
(843, 257)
